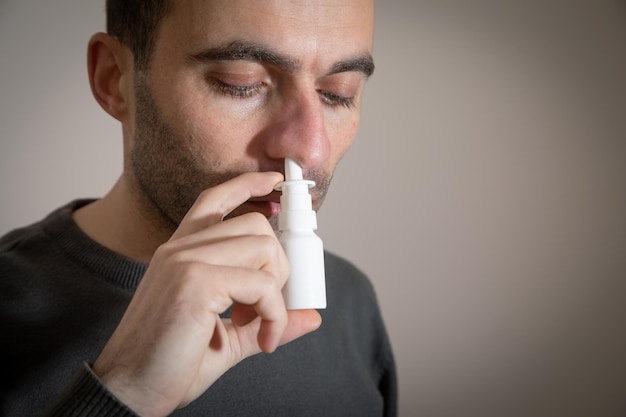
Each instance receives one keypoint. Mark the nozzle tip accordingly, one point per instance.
(293, 171)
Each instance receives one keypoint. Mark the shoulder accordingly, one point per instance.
(17, 246)
(42, 231)
(14, 238)
(30, 256)
(20, 247)
(25, 255)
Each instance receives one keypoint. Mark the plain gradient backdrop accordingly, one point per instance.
(485, 195)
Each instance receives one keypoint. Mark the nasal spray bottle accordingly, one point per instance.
(306, 286)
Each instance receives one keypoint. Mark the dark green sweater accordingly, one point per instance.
(62, 295)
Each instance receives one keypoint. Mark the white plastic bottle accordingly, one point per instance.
(306, 286)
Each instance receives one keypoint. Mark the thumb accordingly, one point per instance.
(300, 322)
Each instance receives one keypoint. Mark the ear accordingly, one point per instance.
(110, 67)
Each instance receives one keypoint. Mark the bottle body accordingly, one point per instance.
(306, 286)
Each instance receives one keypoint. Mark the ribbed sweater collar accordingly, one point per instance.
(111, 266)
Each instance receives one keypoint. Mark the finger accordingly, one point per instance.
(299, 323)
(213, 204)
(250, 329)
(268, 304)
(248, 224)
(253, 252)
(255, 288)
(272, 334)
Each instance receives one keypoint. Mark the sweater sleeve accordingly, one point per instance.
(87, 397)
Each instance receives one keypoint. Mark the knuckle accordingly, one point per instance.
(268, 284)
(170, 258)
(163, 251)
(196, 284)
(269, 243)
(259, 222)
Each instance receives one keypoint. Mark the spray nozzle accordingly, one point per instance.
(293, 171)
(293, 176)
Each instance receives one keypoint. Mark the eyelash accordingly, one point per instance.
(238, 91)
(246, 91)
(335, 100)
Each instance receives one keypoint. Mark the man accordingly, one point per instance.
(169, 287)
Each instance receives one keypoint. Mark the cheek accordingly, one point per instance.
(341, 137)
(225, 120)
(219, 137)
(347, 134)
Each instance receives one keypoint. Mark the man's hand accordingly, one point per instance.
(171, 344)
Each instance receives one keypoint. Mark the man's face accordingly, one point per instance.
(239, 85)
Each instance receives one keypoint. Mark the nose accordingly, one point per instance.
(298, 130)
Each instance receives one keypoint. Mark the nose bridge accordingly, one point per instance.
(302, 135)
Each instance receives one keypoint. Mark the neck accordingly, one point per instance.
(120, 223)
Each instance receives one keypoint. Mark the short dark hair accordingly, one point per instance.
(135, 23)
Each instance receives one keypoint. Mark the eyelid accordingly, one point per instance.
(238, 77)
(237, 91)
(335, 100)
(341, 89)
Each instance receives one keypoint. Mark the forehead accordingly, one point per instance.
(307, 29)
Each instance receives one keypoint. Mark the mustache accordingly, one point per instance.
(321, 179)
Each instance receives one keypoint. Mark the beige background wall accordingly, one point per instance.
(485, 195)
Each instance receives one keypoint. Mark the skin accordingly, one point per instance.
(234, 87)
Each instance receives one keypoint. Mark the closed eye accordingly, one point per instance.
(237, 91)
(336, 100)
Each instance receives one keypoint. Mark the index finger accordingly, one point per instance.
(213, 204)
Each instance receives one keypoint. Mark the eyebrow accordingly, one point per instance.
(250, 51)
(363, 64)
